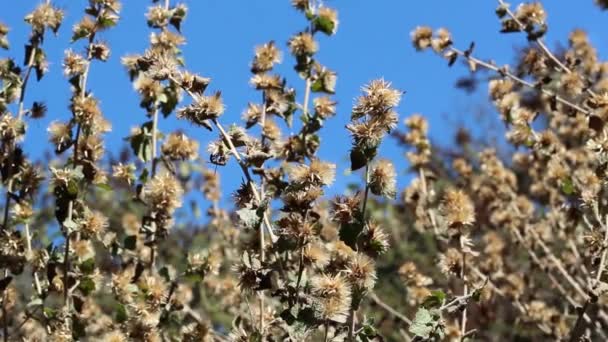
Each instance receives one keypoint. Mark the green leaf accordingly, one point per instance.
(324, 25)
(164, 272)
(87, 285)
(350, 232)
(250, 218)
(169, 100)
(567, 186)
(72, 188)
(423, 324)
(121, 313)
(79, 34)
(107, 21)
(357, 159)
(130, 242)
(104, 187)
(434, 300)
(141, 143)
(317, 86)
(49, 312)
(88, 266)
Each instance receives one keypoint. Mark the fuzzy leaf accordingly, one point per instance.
(422, 326)
(250, 218)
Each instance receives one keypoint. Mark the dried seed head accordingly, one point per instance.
(442, 40)
(178, 146)
(324, 107)
(85, 28)
(345, 209)
(23, 212)
(94, 224)
(99, 51)
(194, 83)
(38, 110)
(316, 256)
(361, 272)
(572, 84)
(164, 193)
(450, 263)
(74, 64)
(422, 37)
(377, 100)
(124, 173)
(83, 249)
(457, 208)
(317, 173)
(86, 110)
(3, 40)
(332, 297)
(531, 13)
(155, 289)
(383, 179)
(374, 240)
(303, 44)
(158, 16)
(204, 108)
(45, 16)
(266, 56)
(11, 128)
(266, 81)
(115, 336)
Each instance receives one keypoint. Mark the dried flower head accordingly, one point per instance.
(422, 37)
(204, 108)
(45, 16)
(266, 56)
(317, 173)
(327, 20)
(457, 208)
(178, 146)
(361, 272)
(164, 193)
(74, 64)
(332, 297)
(383, 179)
(303, 44)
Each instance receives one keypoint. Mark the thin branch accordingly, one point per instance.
(578, 328)
(262, 238)
(541, 44)
(239, 159)
(505, 73)
(465, 290)
(390, 309)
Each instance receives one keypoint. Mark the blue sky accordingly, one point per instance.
(372, 41)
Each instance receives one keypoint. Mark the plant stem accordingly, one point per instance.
(262, 239)
(390, 309)
(351, 316)
(523, 82)
(465, 290)
(578, 328)
(239, 159)
(541, 44)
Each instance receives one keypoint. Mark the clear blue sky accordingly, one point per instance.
(372, 41)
